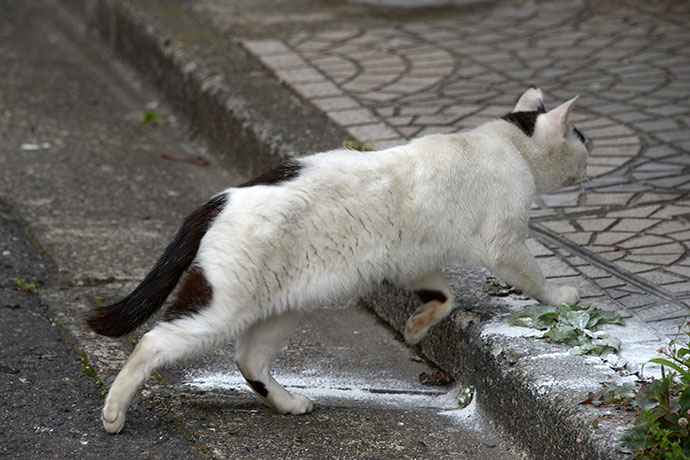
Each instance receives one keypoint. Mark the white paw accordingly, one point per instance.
(113, 419)
(413, 332)
(296, 405)
(563, 294)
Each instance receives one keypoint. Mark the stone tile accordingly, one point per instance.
(353, 117)
(558, 200)
(284, 61)
(554, 267)
(559, 226)
(308, 75)
(330, 104)
(633, 225)
(645, 240)
(608, 239)
(580, 238)
(382, 145)
(642, 211)
(678, 288)
(670, 211)
(660, 312)
(659, 277)
(616, 199)
(418, 79)
(316, 90)
(373, 132)
(609, 282)
(595, 224)
(266, 47)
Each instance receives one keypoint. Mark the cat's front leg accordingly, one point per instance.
(433, 290)
(517, 266)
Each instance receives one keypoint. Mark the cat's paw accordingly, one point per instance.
(296, 405)
(563, 294)
(415, 330)
(113, 419)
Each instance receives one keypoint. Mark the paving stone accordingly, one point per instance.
(555, 267)
(449, 75)
(315, 90)
(353, 117)
(330, 104)
(373, 132)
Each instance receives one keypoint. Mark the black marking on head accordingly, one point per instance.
(258, 386)
(122, 317)
(192, 297)
(427, 295)
(283, 172)
(523, 120)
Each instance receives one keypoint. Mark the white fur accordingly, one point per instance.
(351, 220)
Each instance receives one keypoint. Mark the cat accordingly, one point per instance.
(333, 225)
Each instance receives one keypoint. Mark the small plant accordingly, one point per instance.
(622, 397)
(29, 288)
(151, 117)
(356, 145)
(572, 325)
(661, 429)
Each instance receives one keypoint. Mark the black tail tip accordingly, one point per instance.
(107, 321)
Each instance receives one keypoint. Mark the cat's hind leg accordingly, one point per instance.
(256, 348)
(166, 343)
(433, 290)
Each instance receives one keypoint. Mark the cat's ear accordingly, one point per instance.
(531, 100)
(559, 116)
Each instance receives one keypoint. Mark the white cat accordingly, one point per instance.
(337, 224)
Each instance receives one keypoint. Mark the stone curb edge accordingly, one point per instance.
(246, 129)
(531, 387)
(550, 425)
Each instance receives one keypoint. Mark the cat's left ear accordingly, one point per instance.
(559, 116)
(531, 100)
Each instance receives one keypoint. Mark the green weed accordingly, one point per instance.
(572, 325)
(661, 428)
(151, 117)
(29, 288)
(356, 145)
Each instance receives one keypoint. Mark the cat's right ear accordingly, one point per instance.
(559, 116)
(531, 100)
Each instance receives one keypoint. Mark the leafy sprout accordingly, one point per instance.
(572, 325)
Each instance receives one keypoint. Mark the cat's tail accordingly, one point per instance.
(119, 318)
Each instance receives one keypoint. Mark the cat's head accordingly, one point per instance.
(562, 148)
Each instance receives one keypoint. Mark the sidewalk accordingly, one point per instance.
(327, 75)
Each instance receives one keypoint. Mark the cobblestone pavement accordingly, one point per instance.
(623, 235)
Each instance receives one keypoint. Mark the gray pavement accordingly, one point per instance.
(261, 80)
(88, 200)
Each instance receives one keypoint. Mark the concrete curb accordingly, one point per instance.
(533, 388)
(227, 97)
(252, 131)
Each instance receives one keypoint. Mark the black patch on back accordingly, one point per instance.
(523, 120)
(258, 386)
(285, 171)
(427, 295)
